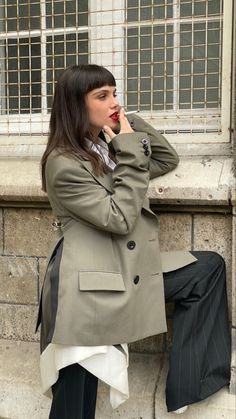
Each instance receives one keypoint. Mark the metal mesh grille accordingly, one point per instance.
(171, 59)
(37, 40)
(174, 57)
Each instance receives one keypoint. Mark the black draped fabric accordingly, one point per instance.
(74, 394)
(200, 355)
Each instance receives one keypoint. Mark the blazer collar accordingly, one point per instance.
(105, 180)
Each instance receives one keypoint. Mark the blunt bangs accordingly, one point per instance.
(95, 76)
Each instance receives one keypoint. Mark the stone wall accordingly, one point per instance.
(25, 236)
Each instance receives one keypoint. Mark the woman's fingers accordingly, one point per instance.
(125, 127)
(109, 132)
(124, 123)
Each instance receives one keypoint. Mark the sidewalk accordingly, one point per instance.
(21, 393)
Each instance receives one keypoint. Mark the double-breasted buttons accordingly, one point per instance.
(136, 279)
(131, 245)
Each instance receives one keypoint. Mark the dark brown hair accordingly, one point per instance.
(69, 123)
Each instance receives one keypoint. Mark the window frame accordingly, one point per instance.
(34, 124)
(106, 30)
(156, 117)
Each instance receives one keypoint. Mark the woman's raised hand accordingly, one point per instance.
(125, 127)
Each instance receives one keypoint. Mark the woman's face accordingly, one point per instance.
(102, 108)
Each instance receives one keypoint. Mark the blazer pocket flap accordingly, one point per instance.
(101, 281)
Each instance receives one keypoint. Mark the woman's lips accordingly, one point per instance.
(115, 116)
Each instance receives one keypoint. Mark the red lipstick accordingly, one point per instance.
(115, 116)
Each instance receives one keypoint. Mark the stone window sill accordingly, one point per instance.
(196, 181)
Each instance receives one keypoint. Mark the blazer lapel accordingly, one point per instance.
(105, 180)
(107, 183)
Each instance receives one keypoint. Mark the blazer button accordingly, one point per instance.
(144, 141)
(131, 245)
(146, 152)
(136, 279)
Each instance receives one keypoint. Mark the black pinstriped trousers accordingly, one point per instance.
(74, 394)
(200, 355)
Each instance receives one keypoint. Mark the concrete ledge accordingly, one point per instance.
(20, 180)
(19, 382)
(21, 396)
(197, 180)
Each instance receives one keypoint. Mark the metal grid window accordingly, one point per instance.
(171, 60)
(37, 40)
(175, 66)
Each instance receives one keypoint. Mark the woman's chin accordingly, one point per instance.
(115, 126)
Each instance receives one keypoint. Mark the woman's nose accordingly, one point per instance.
(114, 103)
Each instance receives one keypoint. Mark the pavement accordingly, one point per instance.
(21, 398)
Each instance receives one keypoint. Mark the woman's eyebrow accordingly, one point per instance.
(103, 91)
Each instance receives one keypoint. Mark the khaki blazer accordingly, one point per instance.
(110, 286)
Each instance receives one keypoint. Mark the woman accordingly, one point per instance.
(104, 285)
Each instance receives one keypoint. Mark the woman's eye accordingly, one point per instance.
(101, 97)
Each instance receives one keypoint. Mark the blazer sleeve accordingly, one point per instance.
(73, 191)
(164, 157)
